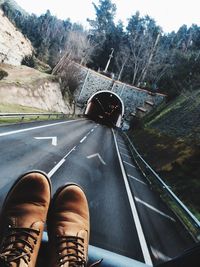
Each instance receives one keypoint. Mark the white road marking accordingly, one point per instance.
(36, 127)
(53, 139)
(154, 209)
(125, 155)
(124, 148)
(97, 155)
(83, 139)
(159, 255)
(129, 164)
(138, 180)
(139, 229)
(60, 163)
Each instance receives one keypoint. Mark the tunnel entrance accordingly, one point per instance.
(105, 107)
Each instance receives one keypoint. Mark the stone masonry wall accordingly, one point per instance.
(132, 97)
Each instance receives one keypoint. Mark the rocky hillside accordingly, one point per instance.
(13, 45)
(29, 87)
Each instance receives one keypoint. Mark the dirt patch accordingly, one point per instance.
(29, 87)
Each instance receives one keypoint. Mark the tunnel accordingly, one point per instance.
(105, 107)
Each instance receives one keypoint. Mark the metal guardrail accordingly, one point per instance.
(184, 214)
(38, 115)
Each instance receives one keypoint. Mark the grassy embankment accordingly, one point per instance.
(12, 108)
(25, 77)
(170, 142)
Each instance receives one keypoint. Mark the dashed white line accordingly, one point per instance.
(60, 163)
(154, 209)
(139, 229)
(138, 180)
(129, 164)
(83, 139)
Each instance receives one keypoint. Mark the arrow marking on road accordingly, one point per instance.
(53, 138)
(97, 155)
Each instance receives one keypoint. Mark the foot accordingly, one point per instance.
(22, 220)
(68, 228)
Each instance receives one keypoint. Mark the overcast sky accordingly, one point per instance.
(169, 14)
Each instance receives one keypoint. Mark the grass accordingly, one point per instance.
(177, 162)
(13, 108)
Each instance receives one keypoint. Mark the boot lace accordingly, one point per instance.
(74, 252)
(18, 244)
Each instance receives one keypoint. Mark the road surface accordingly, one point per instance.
(127, 217)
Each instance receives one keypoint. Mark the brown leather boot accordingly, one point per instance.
(68, 228)
(22, 220)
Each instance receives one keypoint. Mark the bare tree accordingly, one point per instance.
(78, 48)
(121, 59)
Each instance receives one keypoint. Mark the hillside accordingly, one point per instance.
(14, 46)
(29, 87)
(172, 146)
(15, 6)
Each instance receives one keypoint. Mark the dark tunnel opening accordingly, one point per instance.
(105, 107)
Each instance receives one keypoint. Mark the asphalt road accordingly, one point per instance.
(127, 217)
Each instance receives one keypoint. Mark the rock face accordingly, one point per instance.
(28, 87)
(47, 96)
(13, 45)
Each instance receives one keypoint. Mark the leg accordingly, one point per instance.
(22, 220)
(69, 228)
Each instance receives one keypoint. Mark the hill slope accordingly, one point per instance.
(15, 6)
(172, 146)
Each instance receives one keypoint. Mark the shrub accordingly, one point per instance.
(70, 78)
(29, 61)
(3, 74)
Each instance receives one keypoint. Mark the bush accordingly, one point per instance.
(70, 77)
(3, 74)
(29, 61)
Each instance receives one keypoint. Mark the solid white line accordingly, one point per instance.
(154, 209)
(141, 236)
(129, 164)
(138, 180)
(125, 155)
(34, 128)
(83, 139)
(60, 163)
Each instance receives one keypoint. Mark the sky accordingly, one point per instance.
(169, 14)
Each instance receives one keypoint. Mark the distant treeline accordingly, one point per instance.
(142, 54)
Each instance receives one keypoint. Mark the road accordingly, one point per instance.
(127, 217)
